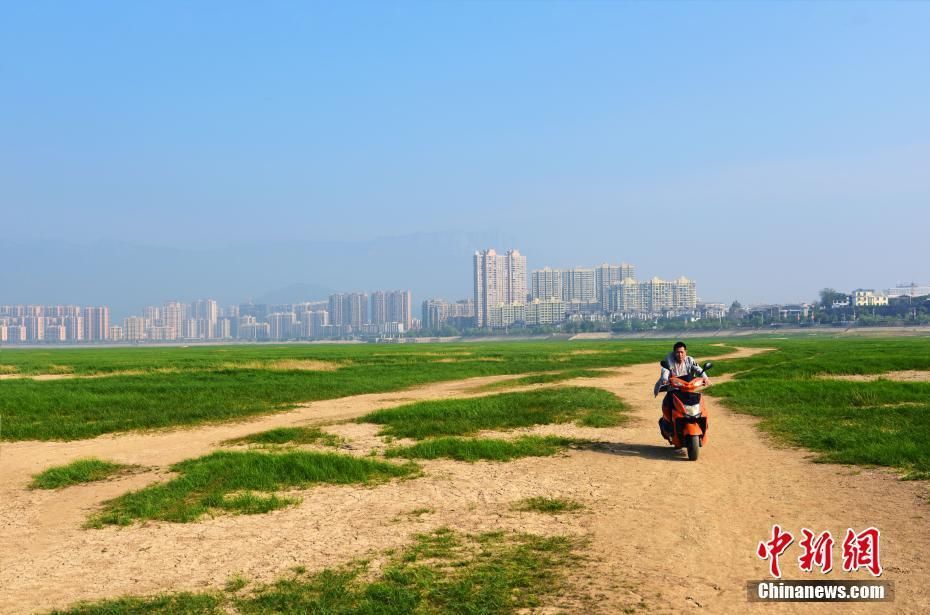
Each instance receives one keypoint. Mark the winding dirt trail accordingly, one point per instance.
(667, 535)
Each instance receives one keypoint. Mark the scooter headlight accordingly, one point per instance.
(694, 410)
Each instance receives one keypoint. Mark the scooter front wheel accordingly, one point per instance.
(693, 444)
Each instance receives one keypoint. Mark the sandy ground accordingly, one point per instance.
(665, 534)
(908, 375)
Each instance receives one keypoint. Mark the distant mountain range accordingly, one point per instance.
(128, 276)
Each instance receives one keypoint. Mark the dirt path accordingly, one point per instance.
(683, 535)
(666, 533)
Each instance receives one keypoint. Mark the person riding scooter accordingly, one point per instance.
(679, 364)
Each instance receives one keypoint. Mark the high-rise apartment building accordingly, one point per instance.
(546, 283)
(134, 328)
(74, 328)
(152, 315)
(35, 328)
(115, 333)
(355, 309)
(96, 323)
(224, 329)
(319, 319)
(282, 325)
(655, 296)
(400, 308)
(206, 311)
(190, 329)
(437, 312)
(507, 314)
(578, 285)
(16, 334)
(336, 303)
(55, 333)
(498, 280)
(172, 315)
(607, 276)
(391, 306)
(684, 294)
(348, 309)
(434, 313)
(379, 311)
(545, 311)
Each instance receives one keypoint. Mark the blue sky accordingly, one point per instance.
(764, 149)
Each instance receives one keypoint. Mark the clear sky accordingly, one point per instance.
(764, 149)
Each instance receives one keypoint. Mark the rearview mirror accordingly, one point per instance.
(708, 365)
(664, 364)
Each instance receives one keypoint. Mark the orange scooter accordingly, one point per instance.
(684, 412)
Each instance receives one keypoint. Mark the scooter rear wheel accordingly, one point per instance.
(693, 443)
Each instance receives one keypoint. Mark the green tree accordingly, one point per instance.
(736, 311)
(828, 296)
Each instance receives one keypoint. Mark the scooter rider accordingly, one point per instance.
(680, 364)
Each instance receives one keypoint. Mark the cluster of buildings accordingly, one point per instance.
(869, 297)
(382, 313)
(505, 295)
(26, 324)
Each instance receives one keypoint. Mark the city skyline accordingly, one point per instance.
(505, 294)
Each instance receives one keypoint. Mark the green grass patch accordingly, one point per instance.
(150, 388)
(241, 482)
(78, 472)
(483, 449)
(174, 604)
(441, 572)
(289, 435)
(540, 379)
(878, 423)
(460, 417)
(548, 505)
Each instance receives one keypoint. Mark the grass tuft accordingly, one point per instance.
(78, 472)
(241, 482)
(548, 505)
(569, 374)
(460, 417)
(235, 583)
(289, 435)
(489, 449)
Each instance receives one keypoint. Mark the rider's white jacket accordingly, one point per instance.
(690, 366)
